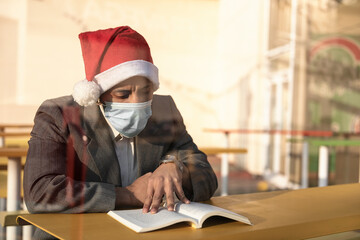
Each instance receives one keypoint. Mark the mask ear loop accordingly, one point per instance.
(99, 103)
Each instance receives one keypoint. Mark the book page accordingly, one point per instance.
(201, 212)
(198, 210)
(143, 222)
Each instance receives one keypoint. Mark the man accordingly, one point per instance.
(113, 143)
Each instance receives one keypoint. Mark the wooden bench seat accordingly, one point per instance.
(16, 152)
(218, 150)
(13, 151)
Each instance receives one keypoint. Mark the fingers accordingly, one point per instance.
(148, 201)
(156, 201)
(180, 193)
(161, 184)
(155, 193)
(169, 192)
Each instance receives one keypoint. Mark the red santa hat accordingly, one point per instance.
(110, 57)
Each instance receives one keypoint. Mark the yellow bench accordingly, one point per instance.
(218, 150)
(13, 159)
(21, 133)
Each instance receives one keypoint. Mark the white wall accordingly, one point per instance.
(241, 87)
(209, 53)
(13, 17)
(182, 35)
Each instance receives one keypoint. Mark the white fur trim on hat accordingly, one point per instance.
(123, 71)
(86, 92)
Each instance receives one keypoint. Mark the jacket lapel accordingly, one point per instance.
(100, 145)
(147, 155)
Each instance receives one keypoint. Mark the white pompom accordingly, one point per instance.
(86, 92)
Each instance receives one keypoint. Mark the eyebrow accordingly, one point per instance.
(146, 86)
(126, 89)
(123, 91)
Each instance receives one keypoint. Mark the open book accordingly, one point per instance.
(195, 213)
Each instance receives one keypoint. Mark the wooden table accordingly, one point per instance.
(14, 133)
(14, 156)
(294, 214)
(224, 172)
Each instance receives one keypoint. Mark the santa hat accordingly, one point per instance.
(110, 57)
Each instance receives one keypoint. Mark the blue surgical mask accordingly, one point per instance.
(129, 119)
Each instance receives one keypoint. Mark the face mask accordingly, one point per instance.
(129, 119)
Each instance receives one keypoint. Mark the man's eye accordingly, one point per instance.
(146, 92)
(124, 96)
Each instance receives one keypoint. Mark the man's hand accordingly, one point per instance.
(149, 189)
(133, 195)
(166, 180)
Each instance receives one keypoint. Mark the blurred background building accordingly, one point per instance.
(256, 65)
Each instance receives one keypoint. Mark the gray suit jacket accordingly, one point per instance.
(72, 166)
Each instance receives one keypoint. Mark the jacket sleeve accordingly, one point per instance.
(49, 185)
(203, 178)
